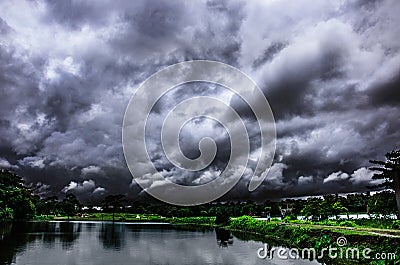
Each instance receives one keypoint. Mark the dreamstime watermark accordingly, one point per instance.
(154, 88)
(340, 251)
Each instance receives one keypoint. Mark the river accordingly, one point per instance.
(101, 243)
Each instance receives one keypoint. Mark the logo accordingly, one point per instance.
(331, 252)
(160, 83)
(341, 241)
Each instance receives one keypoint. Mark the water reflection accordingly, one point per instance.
(16, 237)
(224, 237)
(8, 244)
(112, 236)
(97, 243)
(69, 232)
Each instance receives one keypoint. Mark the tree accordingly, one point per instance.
(71, 205)
(16, 201)
(313, 208)
(51, 205)
(389, 170)
(382, 204)
(338, 208)
(114, 202)
(222, 217)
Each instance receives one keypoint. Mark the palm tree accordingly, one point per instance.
(389, 170)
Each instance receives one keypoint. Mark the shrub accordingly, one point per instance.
(290, 217)
(329, 222)
(348, 224)
(396, 224)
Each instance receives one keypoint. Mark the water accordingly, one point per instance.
(100, 243)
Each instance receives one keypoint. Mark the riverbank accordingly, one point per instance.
(312, 236)
(293, 234)
(118, 217)
(373, 227)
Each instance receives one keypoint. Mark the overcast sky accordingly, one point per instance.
(329, 69)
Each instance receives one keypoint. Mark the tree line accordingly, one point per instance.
(18, 202)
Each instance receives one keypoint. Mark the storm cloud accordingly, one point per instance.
(329, 69)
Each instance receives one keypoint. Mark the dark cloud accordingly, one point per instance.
(269, 54)
(387, 93)
(68, 69)
(76, 14)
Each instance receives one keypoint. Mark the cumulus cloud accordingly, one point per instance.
(99, 190)
(68, 68)
(33, 162)
(85, 186)
(92, 170)
(337, 176)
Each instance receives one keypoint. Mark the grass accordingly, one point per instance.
(306, 235)
(109, 217)
(355, 224)
(201, 220)
(378, 223)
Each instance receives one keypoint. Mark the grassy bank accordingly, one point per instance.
(118, 217)
(379, 223)
(380, 235)
(307, 235)
(289, 233)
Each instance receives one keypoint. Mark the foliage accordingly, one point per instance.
(195, 220)
(114, 202)
(290, 217)
(347, 223)
(71, 205)
(322, 242)
(314, 208)
(328, 222)
(387, 168)
(247, 223)
(51, 206)
(16, 201)
(389, 171)
(43, 218)
(382, 223)
(382, 204)
(321, 209)
(222, 218)
(306, 237)
(6, 213)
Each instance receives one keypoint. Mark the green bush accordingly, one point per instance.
(328, 222)
(290, 217)
(44, 217)
(299, 222)
(195, 220)
(384, 223)
(396, 224)
(6, 213)
(322, 242)
(247, 223)
(348, 223)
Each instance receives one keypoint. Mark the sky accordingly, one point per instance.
(329, 69)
